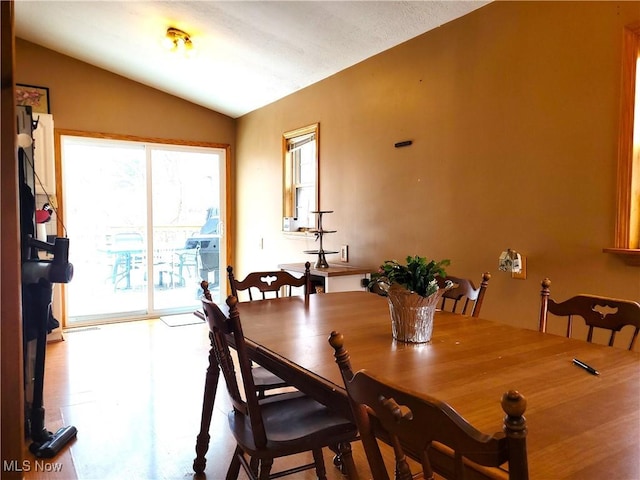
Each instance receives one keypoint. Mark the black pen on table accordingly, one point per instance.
(589, 369)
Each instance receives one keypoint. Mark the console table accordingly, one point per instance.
(334, 278)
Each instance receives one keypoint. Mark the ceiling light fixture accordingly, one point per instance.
(178, 41)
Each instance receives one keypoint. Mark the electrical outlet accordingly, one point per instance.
(344, 253)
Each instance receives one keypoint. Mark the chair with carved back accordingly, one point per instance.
(270, 282)
(264, 284)
(278, 426)
(597, 312)
(463, 297)
(430, 430)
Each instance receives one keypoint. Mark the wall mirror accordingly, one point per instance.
(301, 194)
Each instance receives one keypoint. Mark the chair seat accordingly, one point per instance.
(293, 423)
(264, 378)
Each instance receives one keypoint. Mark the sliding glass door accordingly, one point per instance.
(186, 228)
(145, 227)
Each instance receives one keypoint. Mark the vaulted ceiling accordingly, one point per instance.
(247, 53)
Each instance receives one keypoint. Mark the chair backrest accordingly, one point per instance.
(221, 326)
(463, 297)
(271, 282)
(428, 428)
(598, 312)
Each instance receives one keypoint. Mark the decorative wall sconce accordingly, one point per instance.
(178, 41)
(512, 261)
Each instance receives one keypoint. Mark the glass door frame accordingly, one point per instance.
(225, 215)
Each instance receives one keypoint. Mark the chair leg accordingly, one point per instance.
(234, 468)
(254, 464)
(344, 461)
(321, 472)
(265, 468)
(210, 387)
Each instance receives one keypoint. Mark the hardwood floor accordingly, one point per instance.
(134, 392)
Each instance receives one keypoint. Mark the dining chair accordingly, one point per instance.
(429, 429)
(128, 248)
(463, 297)
(270, 282)
(278, 426)
(597, 312)
(264, 381)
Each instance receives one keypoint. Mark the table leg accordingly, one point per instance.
(210, 387)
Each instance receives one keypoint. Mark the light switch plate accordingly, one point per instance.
(344, 253)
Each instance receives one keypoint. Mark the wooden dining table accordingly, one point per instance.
(580, 425)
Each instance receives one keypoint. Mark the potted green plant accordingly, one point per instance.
(413, 292)
(417, 275)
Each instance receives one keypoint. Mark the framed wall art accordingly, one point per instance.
(36, 97)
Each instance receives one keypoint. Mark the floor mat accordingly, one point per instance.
(180, 320)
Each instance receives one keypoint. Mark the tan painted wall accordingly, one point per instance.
(513, 113)
(84, 97)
